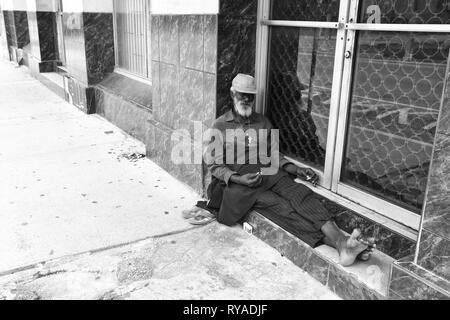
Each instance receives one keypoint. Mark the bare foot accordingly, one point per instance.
(367, 254)
(351, 248)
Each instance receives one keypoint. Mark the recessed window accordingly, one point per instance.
(132, 35)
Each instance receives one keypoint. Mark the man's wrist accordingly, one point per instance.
(235, 178)
(291, 168)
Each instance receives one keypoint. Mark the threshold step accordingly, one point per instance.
(362, 281)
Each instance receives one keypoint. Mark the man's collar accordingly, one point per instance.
(231, 117)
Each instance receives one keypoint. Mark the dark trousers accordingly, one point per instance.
(296, 209)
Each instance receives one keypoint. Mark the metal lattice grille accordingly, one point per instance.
(301, 74)
(305, 10)
(407, 11)
(397, 91)
(131, 35)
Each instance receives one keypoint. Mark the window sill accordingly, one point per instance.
(128, 88)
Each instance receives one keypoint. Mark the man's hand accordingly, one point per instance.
(251, 180)
(308, 175)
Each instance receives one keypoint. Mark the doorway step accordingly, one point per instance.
(362, 281)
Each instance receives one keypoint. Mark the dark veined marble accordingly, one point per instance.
(99, 44)
(409, 286)
(8, 17)
(43, 36)
(34, 35)
(426, 275)
(437, 213)
(239, 8)
(17, 31)
(21, 25)
(434, 254)
(48, 42)
(236, 46)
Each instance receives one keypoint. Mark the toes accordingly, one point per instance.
(356, 234)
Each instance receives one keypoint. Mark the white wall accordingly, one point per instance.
(88, 5)
(14, 5)
(45, 5)
(28, 5)
(184, 6)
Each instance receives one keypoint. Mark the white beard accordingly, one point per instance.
(244, 110)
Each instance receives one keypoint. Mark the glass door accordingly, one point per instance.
(302, 79)
(355, 87)
(395, 71)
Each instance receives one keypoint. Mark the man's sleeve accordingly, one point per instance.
(216, 161)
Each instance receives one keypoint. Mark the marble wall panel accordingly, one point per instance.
(48, 42)
(347, 286)
(3, 41)
(210, 96)
(434, 254)
(239, 8)
(156, 86)
(99, 44)
(75, 46)
(122, 113)
(137, 92)
(210, 43)
(8, 17)
(169, 110)
(158, 141)
(34, 35)
(408, 287)
(236, 46)
(155, 39)
(437, 212)
(191, 42)
(183, 77)
(43, 37)
(22, 31)
(169, 39)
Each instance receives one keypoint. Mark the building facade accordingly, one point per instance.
(358, 88)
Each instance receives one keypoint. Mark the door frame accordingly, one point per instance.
(347, 28)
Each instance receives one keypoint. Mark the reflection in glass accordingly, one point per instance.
(397, 89)
(305, 10)
(300, 82)
(405, 11)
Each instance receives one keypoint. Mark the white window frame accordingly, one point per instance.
(147, 30)
(371, 206)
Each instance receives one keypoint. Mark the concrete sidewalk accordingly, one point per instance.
(105, 226)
